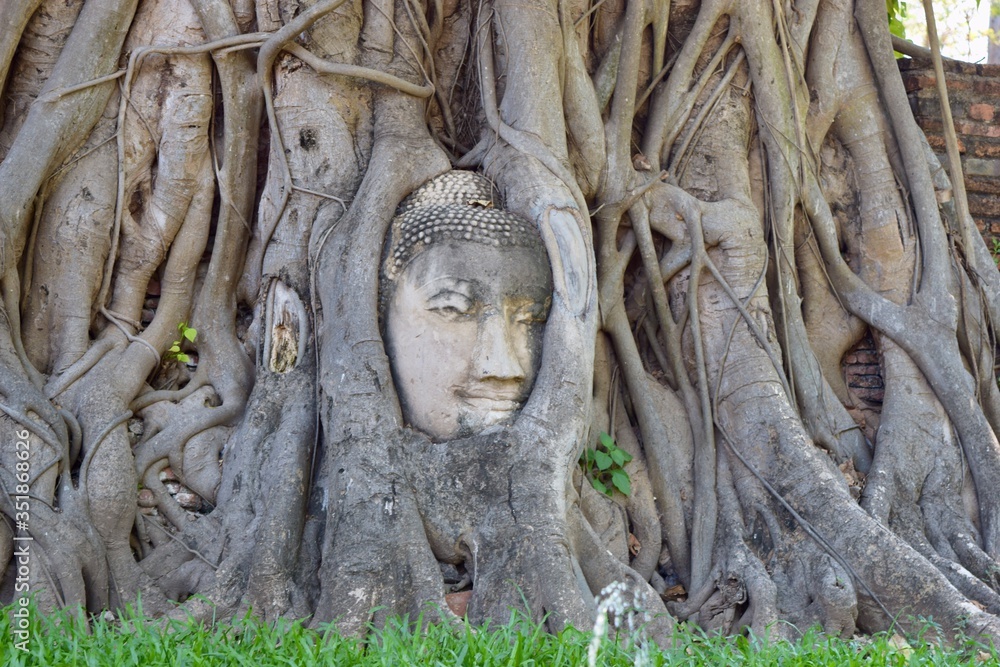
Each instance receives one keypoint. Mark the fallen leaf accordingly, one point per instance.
(674, 593)
(458, 602)
(901, 645)
(634, 546)
(641, 162)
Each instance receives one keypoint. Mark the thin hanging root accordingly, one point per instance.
(586, 15)
(762, 608)
(732, 332)
(678, 164)
(143, 401)
(194, 552)
(419, 23)
(655, 81)
(950, 139)
(806, 526)
(37, 429)
(443, 98)
(674, 100)
(14, 16)
(705, 500)
(131, 71)
(791, 80)
(751, 323)
(101, 437)
(662, 477)
(523, 142)
(128, 335)
(10, 284)
(691, 99)
(59, 383)
(366, 73)
(661, 22)
(417, 60)
(54, 95)
(265, 63)
(652, 336)
(167, 443)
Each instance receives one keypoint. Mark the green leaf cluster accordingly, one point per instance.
(174, 351)
(896, 9)
(604, 466)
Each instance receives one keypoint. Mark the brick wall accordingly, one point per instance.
(974, 93)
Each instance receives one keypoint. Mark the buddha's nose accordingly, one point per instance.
(495, 355)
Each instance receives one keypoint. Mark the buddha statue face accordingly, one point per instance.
(466, 295)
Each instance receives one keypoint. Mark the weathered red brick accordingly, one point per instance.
(982, 184)
(981, 111)
(867, 358)
(985, 206)
(983, 147)
(866, 381)
(918, 81)
(968, 127)
(932, 124)
(989, 88)
(938, 144)
(981, 174)
(875, 396)
(959, 84)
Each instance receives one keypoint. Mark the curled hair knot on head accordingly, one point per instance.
(458, 205)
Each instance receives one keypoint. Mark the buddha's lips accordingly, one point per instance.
(491, 403)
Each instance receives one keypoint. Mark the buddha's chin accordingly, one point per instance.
(478, 418)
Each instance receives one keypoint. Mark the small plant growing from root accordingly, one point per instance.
(604, 466)
(174, 352)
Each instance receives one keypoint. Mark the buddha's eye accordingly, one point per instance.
(451, 304)
(532, 313)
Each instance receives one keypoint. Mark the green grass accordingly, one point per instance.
(63, 640)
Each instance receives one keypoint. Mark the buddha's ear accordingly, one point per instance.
(572, 262)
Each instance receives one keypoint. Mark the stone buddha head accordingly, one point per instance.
(465, 293)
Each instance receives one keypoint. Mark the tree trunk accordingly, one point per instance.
(195, 198)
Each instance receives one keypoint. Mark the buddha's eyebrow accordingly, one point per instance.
(467, 287)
